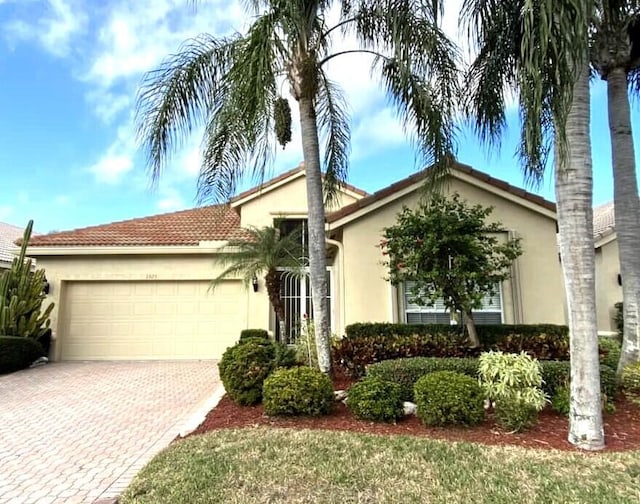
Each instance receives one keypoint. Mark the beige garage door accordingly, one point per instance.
(150, 320)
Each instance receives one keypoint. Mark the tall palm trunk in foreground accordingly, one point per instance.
(574, 188)
(627, 211)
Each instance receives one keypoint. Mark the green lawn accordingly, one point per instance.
(265, 465)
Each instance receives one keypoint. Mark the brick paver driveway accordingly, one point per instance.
(79, 431)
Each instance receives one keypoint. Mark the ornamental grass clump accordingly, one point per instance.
(376, 399)
(513, 383)
(449, 398)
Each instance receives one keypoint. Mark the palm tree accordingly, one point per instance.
(615, 57)
(231, 87)
(538, 49)
(263, 251)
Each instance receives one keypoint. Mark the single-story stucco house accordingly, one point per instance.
(608, 279)
(139, 289)
(8, 235)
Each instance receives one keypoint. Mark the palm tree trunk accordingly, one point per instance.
(627, 211)
(317, 247)
(574, 188)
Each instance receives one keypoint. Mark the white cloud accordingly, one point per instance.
(170, 199)
(6, 211)
(58, 23)
(117, 160)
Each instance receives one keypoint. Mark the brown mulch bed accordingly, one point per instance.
(622, 428)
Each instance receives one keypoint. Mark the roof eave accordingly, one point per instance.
(209, 247)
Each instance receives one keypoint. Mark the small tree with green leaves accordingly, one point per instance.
(22, 295)
(451, 253)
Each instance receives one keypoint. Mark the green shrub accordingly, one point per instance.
(244, 367)
(514, 383)
(285, 357)
(406, 372)
(561, 400)
(557, 374)
(365, 344)
(515, 413)
(631, 381)
(253, 333)
(373, 398)
(449, 398)
(610, 349)
(619, 319)
(298, 391)
(18, 353)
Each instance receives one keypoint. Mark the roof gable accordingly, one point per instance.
(459, 170)
(283, 179)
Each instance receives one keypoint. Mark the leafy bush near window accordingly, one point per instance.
(298, 391)
(449, 398)
(513, 382)
(406, 372)
(365, 344)
(631, 381)
(18, 353)
(376, 399)
(244, 367)
(253, 333)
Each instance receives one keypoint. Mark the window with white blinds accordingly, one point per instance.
(490, 313)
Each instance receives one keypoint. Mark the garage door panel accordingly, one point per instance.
(150, 320)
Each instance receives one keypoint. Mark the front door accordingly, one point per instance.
(295, 292)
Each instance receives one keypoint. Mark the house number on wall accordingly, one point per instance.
(151, 276)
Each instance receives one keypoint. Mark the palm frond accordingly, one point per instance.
(262, 250)
(333, 120)
(176, 97)
(239, 134)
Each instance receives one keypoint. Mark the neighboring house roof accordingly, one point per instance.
(8, 235)
(604, 220)
(186, 227)
(281, 179)
(398, 187)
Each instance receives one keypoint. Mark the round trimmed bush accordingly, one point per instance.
(246, 334)
(244, 367)
(298, 391)
(373, 398)
(17, 352)
(449, 398)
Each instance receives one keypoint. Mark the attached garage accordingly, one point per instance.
(113, 320)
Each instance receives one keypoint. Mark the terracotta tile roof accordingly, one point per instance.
(416, 177)
(186, 227)
(8, 235)
(283, 176)
(604, 220)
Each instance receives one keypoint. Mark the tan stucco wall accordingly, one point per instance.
(608, 292)
(539, 279)
(287, 199)
(145, 268)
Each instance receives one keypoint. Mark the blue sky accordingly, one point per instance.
(69, 73)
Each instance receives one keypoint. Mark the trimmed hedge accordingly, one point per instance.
(18, 353)
(375, 399)
(365, 344)
(407, 371)
(449, 398)
(253, 333)
(298, 391)
(244, 367)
